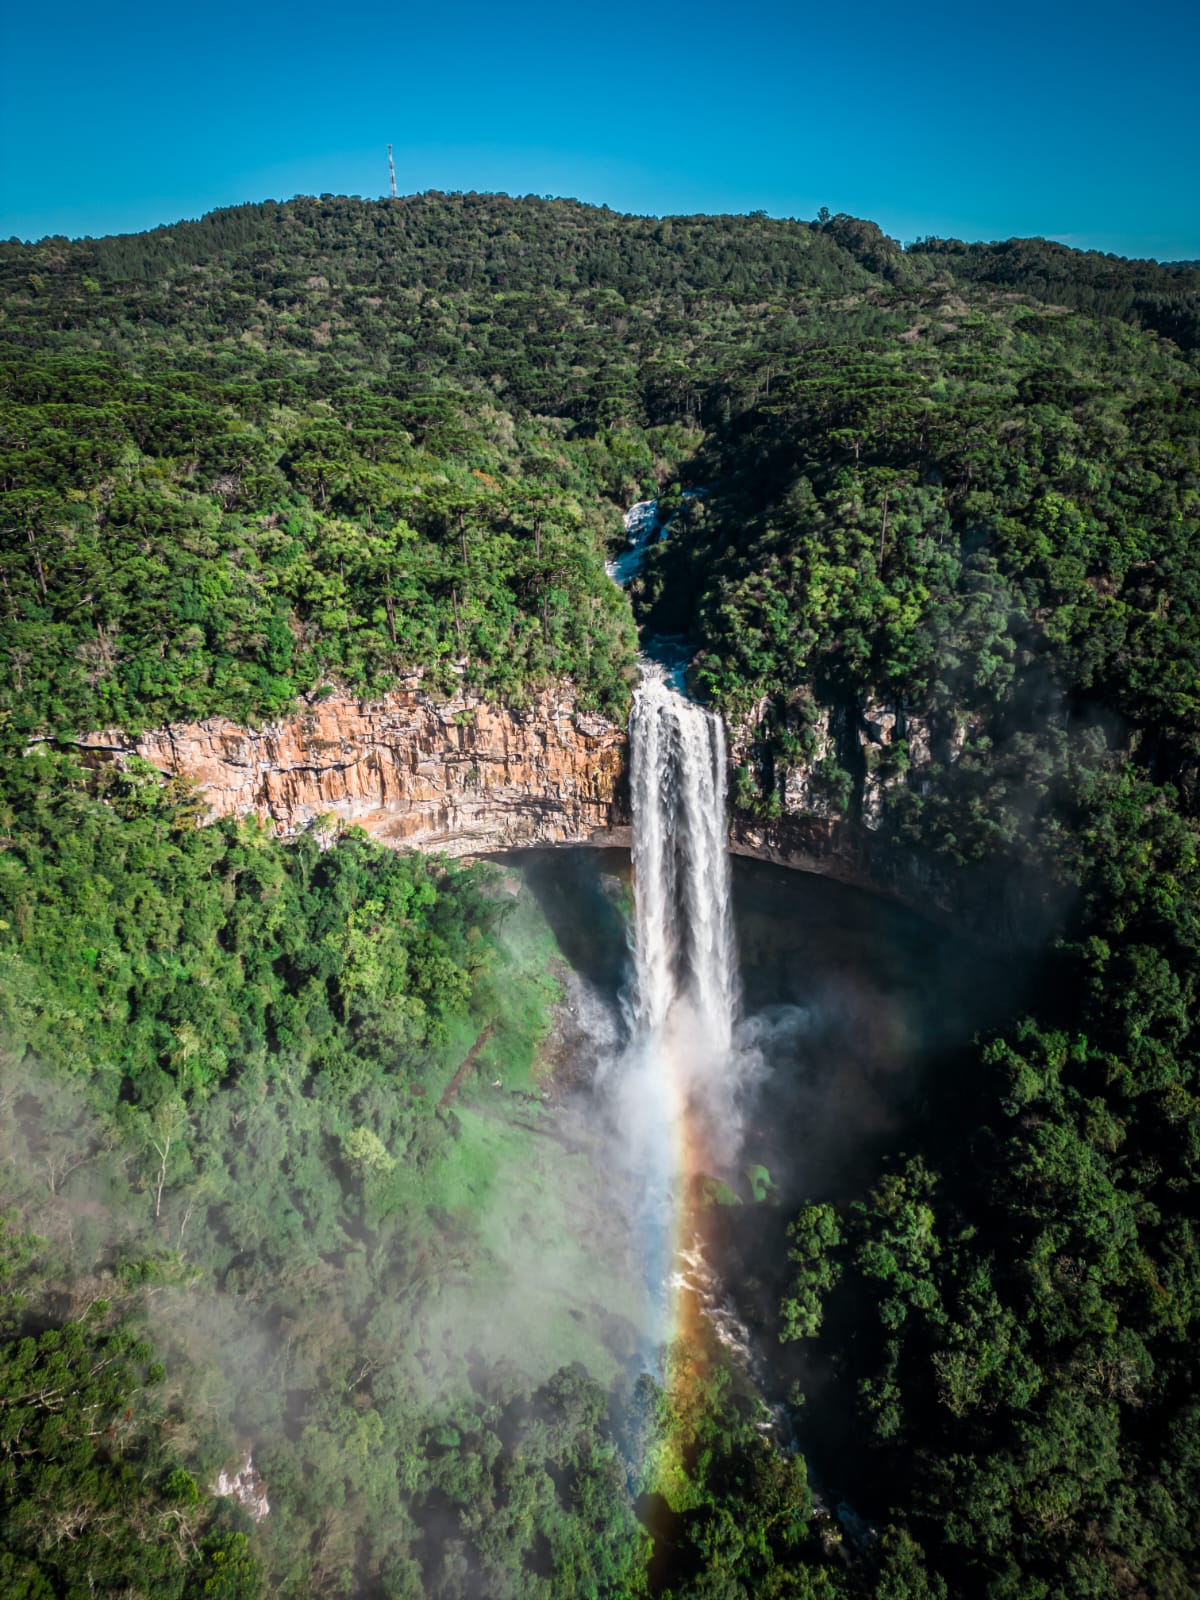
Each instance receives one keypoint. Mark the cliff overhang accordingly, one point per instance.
(466, 776)
(461, 775)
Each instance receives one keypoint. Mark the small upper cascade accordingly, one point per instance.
(641, 525)
(644, 526)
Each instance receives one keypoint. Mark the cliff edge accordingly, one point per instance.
(462, 775)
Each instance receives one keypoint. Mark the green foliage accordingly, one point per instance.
(313, 449)
(813, 1234)
(82, 1455)
(160, 956)
(328, 443)
(1164, 296)
(731, 1514)
(1025, 1296)
(225, 1057)
(964, 541)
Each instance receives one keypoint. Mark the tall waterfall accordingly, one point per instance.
(681, 1072)
(684, 931)
(674, 1087)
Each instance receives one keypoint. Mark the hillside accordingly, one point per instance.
(942, 583)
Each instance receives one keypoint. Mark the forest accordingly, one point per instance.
(308, 446)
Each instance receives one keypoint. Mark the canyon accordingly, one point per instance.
(466, 776)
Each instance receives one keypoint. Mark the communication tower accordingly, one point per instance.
(392, 171)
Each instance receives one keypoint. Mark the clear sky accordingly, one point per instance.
(1076, 121)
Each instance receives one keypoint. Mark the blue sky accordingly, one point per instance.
(1072, 121)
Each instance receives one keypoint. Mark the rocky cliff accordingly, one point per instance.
(466, 776)
(460, 775)
(833, 818)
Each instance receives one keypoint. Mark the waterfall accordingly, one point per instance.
(674, 1087)
(684, 945)
(641, 524)
(682, 1069)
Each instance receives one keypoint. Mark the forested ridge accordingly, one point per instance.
(299, 446)
(1163, 296)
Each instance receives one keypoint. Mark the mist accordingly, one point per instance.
(309, 1311)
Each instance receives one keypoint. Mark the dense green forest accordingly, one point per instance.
(316, 444)
(1163, 296)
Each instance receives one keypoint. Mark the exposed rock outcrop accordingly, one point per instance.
(462, 775)
(246, 1487)
(857, 752)
(834, 816)
(467, 776)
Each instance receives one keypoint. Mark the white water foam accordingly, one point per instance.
(681, 1071)
(679, 1079)
(686, 965)
(641, 525)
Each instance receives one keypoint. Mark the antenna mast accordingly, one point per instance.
(392, 171)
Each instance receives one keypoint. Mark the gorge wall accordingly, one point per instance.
(461, 775)
(841, 828)
(467, 776)
(841, 834)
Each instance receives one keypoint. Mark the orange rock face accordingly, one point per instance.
(461, 776)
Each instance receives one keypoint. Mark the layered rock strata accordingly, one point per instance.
(466, 776)
(461, 775)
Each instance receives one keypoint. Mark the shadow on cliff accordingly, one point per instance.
(585, 896)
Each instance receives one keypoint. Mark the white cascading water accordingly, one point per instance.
(641, 524)
(684, 944)
(677, 1080)
(682, 1069)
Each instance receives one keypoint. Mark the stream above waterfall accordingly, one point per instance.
(645, 526)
